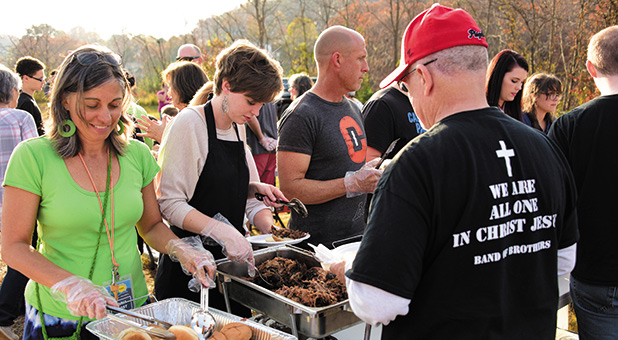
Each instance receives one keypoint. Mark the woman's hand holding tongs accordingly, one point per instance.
(270, 194)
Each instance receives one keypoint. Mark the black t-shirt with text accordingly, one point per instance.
(466, 222)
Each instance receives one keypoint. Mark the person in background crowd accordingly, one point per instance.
(541, 96)
(262, 140)
(506, 76)
(450, 251)
(388, 116)
(32, 74)
(204, 94)
(136, 111)
(50, 83)
(322, 143)
(184, 79)
(190, 52)
(299, 83)
(169, 110)
(163, 97)
(352, 96)
(587, 136)
(208, 179)
(15, 126)
(70, 181)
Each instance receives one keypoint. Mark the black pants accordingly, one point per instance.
(12, 303)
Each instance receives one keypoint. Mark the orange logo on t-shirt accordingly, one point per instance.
(354, 139)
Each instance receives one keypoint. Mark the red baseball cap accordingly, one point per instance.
(435, 29)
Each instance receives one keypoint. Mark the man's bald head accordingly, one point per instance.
(335, 39)
(189, 52)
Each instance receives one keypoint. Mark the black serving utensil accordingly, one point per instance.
(294, 203)
(387, 152)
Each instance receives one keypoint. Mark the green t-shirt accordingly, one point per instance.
(69, 217)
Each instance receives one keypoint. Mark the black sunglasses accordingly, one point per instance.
(400, 82)
(39, 79)
(186, 58)
(88, 58)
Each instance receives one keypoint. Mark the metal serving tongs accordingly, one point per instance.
(160, 331)
(294, 203)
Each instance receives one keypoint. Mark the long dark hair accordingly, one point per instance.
(504, 62)
(75, 77)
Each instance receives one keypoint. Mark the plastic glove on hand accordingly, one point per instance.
(83, 298)
(363, 180)
(235, 245)
(193, 258)
(268, 143)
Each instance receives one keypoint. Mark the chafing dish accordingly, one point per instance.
(315, 322)
(178, 311)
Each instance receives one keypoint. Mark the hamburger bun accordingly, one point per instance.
(133, 333)
(236, 331)
(183, 332)
(279, 239)
(218, 336)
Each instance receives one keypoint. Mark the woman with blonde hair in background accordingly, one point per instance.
(542, 94)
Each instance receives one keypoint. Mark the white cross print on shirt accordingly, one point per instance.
(506, 154)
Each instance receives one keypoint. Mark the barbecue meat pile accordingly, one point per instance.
(313, 287)
(284, 233)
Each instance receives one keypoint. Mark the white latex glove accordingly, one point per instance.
(193, 258)
(269, 143)
(83, 298)
(363, 180)
(235, 245)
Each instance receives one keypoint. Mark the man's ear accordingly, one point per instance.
(426, 79)
(335, 58)
(591, 68)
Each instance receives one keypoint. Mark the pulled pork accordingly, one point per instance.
(283, 233)
(313, 287)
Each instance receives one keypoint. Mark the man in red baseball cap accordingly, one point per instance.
(468, 220)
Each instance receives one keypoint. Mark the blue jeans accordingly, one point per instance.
(596, 309)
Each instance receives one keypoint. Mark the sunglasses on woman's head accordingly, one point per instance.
(88, 58)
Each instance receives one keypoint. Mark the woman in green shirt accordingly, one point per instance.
(86, 184)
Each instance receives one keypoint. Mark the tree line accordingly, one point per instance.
(551, 34)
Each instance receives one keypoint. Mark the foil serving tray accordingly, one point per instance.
(315, 322)
(178, 311)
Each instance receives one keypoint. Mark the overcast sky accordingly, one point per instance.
(161, 19)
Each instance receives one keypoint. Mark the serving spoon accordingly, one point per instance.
(202, 322)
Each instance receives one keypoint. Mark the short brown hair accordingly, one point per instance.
(603, 51)
(249, 70)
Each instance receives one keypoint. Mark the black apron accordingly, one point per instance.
(222, 188)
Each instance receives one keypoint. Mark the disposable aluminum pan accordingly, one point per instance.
(178, 311)
(314, 322)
